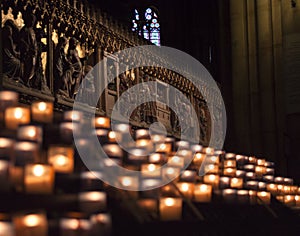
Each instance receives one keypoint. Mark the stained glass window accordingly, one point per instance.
(147, 26)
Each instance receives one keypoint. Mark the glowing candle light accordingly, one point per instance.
(243, 196)
(15, 116)
(212, 180)
(6, 148)
(229, 163)
(199, 158)
(71, 227)
(151, 171)
(224, 182)
(236, 183)
(101, 224)
(202, 193)
(176, 161)
(229, 195)
(170, 173)
(39, 179)
(156, 158)
(8, 99)
(188, 176)
(170, 209)
(186, 189)
(6, 229)
(42, 111)
(73, 116)
(30, 133)
(25, 153)
(91, 202)
(229, 172)
(61, 158)
(265, 197)
(31, 224)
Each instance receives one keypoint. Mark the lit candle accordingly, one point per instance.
(137, 156)
(230, 164)
(253, 197)
(272, 188)
(15, 116)
(142, 134)
(289, 200)
(211, 169)
(241, 160)
(187, 156)
(229, 195)
(6, 229)
(39, 179)
(243, 196)
(224, 182)
(72, 227)
(297, 199)
(32, 224)
(144, 143)
(252, 160)
(61, 158)
(170, 209)
(260, 170)
(91, 202)
(265, 197)
(230, 156)
(229, 172)
(101, 224)
(250, 176)
(4, 177)
(202, 193)
(212, 180)
(279, 180)
(128, 182)
(212, 159)
(262, 186)
(170, 173)
(67, 129)
(270, 171)
(101, 122)
(183, 145)
(8, 99)
(249, 168)
(199, 158)
(151, 171)
(288, 181)
(114, 136)
(176, 161)
(253, 185)
(236, 183)
(196, 148)
(169, 191)
(150, 205)
(261, 162)
(42, 112)
(268, 178)
(91, 181)
(30, 133)
(6, 148)
(188, 176)
(186, 189)
(113, 150)
(208, 150)
(26, 153)
(240, 173)
(73, 116)
(158, 138)
(164, 147)
(156, 158)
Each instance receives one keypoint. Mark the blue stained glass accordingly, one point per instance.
(149, 10)
(152, 25)
(157, 25)
(154, 20)
(148, 17)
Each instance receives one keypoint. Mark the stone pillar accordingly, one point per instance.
(240, 74)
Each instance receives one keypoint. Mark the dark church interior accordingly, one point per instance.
(105, 129)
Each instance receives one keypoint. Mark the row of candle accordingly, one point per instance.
(36, 223)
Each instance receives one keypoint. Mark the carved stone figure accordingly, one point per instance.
(76, 65)
(28, 48)
(11, 58)
(62, 68)
(39, 79)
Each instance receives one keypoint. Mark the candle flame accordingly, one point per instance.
(32, 220)
(42, 106)
(38, 170)
(169, 202)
